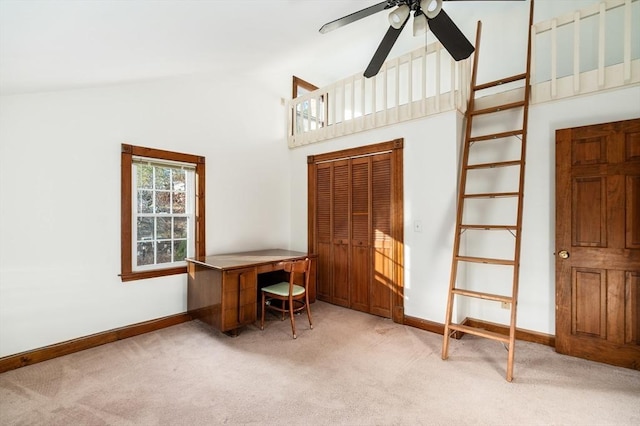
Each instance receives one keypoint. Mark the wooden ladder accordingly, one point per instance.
(482, 230)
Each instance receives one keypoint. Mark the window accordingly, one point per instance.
(162, 218)
(163, 213)
(309, 113)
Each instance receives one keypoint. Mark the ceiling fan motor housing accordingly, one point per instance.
(431, 8)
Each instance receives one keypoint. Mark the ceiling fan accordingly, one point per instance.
(426, 14)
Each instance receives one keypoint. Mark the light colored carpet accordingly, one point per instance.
(352, 368)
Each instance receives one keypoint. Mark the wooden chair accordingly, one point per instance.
(293, 297)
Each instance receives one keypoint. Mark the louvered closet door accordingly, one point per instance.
(332, 227)
(360, 233)
(382, 278)
(340, 236)
(353, 233)
(324, 173)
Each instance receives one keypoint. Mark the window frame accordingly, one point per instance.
(298, 84)
(126, 216)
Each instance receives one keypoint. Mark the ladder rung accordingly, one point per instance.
(498, 108)
(481, 295)
(479, 332)
(490, 227)
(487, 260)
(501, 81)
(494, 165)
(492, 195)
(496, 136)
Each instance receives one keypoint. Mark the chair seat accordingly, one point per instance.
(294, 298)
(282, 289)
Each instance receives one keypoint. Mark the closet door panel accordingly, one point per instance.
(360, 233)
(340, 233)
(382, 280)
(323, 230)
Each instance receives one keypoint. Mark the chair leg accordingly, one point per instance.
(293, 321)
(282, 319)
(264, 308)
(309, 315)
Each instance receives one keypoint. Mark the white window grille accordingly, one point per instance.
(163, 207)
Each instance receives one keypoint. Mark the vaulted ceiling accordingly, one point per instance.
(61, 44)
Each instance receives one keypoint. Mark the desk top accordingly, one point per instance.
(248, 258)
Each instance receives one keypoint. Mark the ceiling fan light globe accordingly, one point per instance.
(420, 24)
(431, 8)
(398, 16)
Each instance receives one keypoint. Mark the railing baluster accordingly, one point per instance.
(452, 66)
(438, 54)
(576, 52)
(353, 104)
(627, 41)
(410, 86)
(362, 101)
(423, 80)
(454, 85)
(534, 55)
(396, 88)
(601, 43)
(318, 110)
(374, 92)
(325, 110)
(341, 88)
(294, 120)
(554, 58)
(333, 99)
(385, 94)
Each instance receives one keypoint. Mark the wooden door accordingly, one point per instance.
(598, 242)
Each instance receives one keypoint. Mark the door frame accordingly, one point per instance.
(395, 148)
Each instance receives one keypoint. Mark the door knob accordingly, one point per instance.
(563, 254)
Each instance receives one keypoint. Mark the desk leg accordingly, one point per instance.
(233, 333)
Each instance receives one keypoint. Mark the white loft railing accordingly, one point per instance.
(586, 51)
(420, 83)
(593, 49)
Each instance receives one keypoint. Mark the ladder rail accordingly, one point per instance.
(460, 203)
(518, 242)
(450, 327)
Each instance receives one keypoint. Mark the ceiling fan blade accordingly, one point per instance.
(383, 50)
(450, 36)
(330, 26)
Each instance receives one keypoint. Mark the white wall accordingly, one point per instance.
(60, 191)
(430, 179)
(60, 196)
(59, 251)
(536, 301)
(536, 305)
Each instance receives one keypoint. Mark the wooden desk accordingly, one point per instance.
(223, 289)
